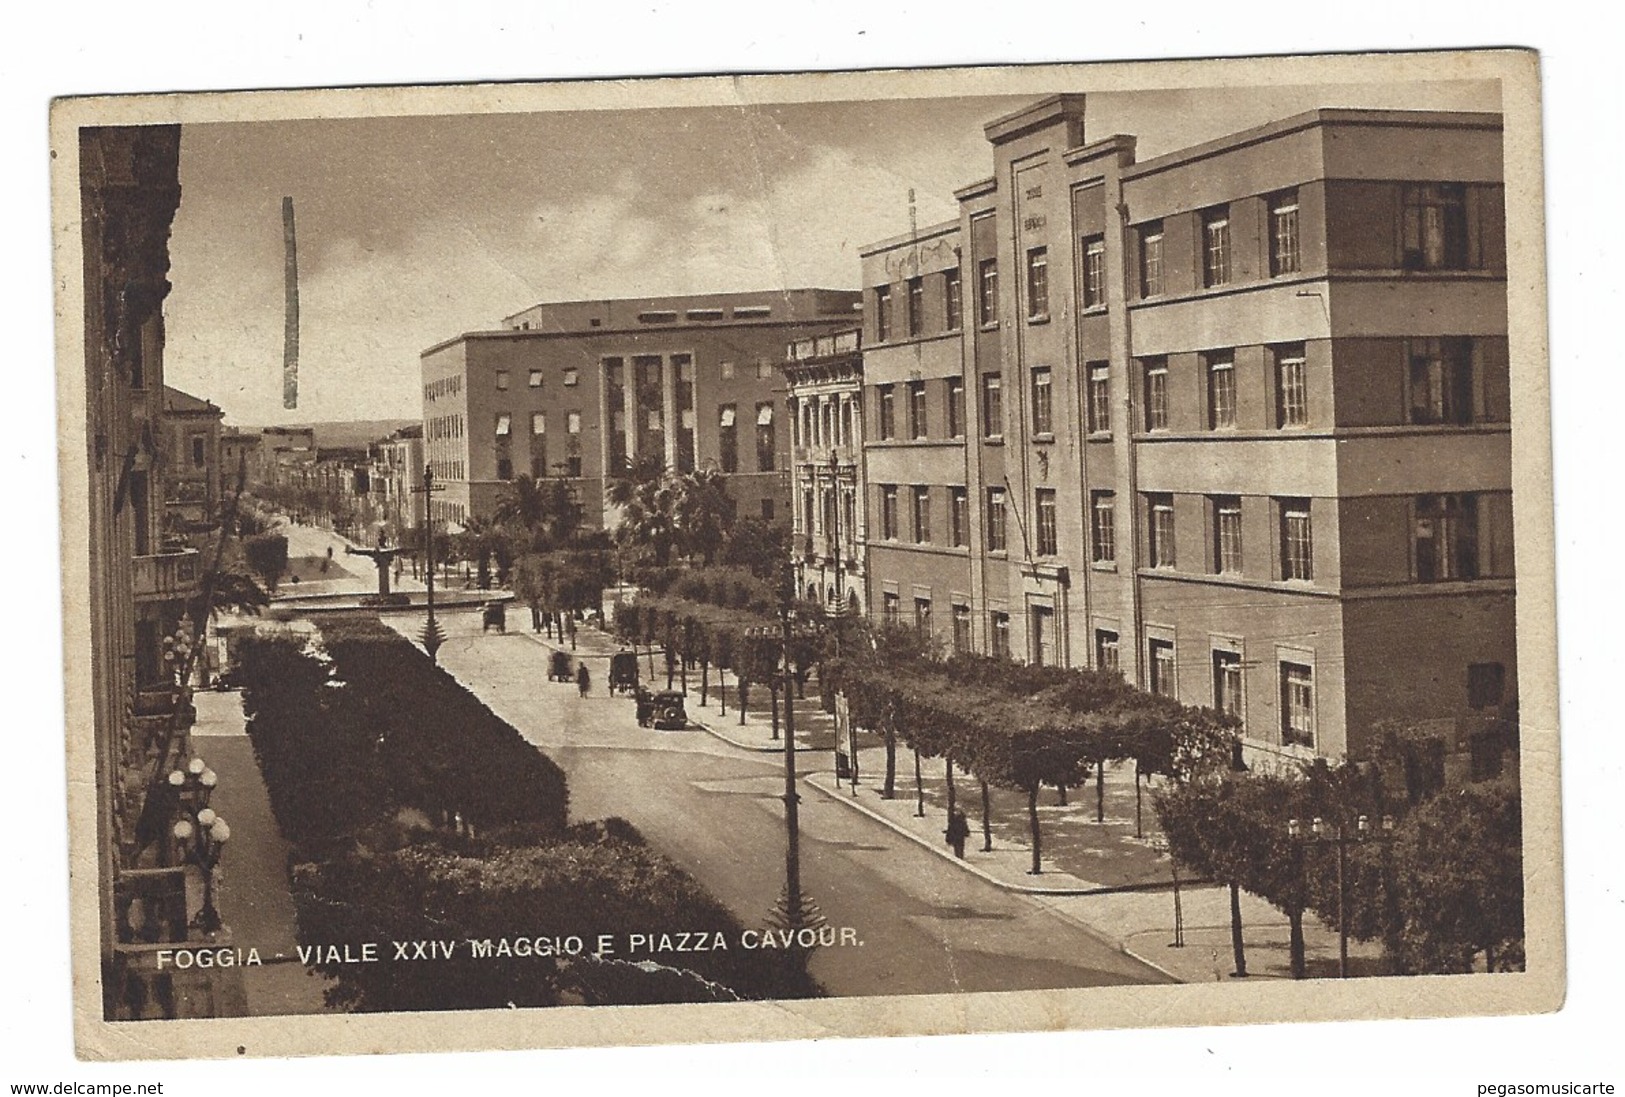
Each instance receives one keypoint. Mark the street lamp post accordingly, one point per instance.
(432, 635)
(1341, 836)
(796, 911)
(202, 839)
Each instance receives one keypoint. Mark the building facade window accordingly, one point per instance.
(922, 617)
(1284, 241)
(992, 405)
(1043, 401)
(535, 378)
(882, 314)
(958, 517)
(916, 306)
(1291, 386)
(1100, 398)
(998, 634)
(922, 514)
(962, 641)
(1441, 380)
(892, 607)
(1038, 284)
(1446, 538)
(1434, 226)
(572, 430)
(769, 508)
(1221, 390)
(1486, 685)
(728, 437)
(1227, 683)
(956, 407)
(1103, 527)
(504, 424)
(1094, 272)
(1297, 704)
(1297, 540)
(1045, 522)
(1107, 655)
(504, 468)
(1161, 667)
(502, 380)
(572, 377)
(1227, 534)
(1216, 246)
(987, 304)
(1160, 511)
(766, 443)
(886, 402)
(888, 511)
(996, 539)
(1156, 394)
(918, 424)
(1151, 259)
(953, 306)
(198, 444)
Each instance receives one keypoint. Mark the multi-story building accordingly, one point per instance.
(284, 452)
(920, 535)
(824, 375)
(1241, 420)
(396, 474)
(239, 454)
(140, 584)
(191, 457)
(581, 389)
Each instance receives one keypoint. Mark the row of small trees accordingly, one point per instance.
(1441, 889)
(1022, 727)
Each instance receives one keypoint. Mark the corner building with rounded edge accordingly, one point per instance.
(1234, 421)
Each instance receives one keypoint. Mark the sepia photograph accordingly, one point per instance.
(841, 554)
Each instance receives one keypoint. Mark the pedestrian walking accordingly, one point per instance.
(958, 830)
(583, 679)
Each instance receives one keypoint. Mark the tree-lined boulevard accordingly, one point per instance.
(925, 926)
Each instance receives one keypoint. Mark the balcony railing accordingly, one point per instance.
(167, 575)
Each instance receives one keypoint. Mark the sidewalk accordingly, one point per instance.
(253, 895)
(1136, 914)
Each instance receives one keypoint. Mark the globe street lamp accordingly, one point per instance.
(1341, 836)
(201, 839)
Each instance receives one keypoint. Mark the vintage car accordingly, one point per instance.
(495, 616)
(663, 709)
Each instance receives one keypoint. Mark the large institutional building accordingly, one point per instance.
(580, 389)
(1233, 421)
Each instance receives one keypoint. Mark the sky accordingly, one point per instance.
(414, 230)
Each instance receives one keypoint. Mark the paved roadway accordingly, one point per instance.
(926, 927)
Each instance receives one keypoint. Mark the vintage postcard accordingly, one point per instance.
(754, 558)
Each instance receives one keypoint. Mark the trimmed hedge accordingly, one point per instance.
(350, 743)
(518, 901)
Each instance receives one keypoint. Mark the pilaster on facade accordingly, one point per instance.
(1226, 404)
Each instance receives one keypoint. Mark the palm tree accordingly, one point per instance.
(544, 509)
(701, 514)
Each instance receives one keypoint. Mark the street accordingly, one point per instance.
(925, 926)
